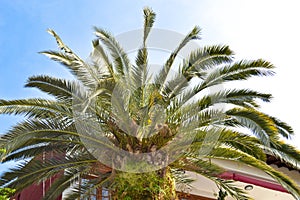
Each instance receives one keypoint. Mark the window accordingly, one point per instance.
(105, 194)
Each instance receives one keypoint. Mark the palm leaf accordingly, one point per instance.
(260, 124)
(237, 156)
(120, 59)
(161, 78)
(37, 108)
(202, 59)
(61, 89)
(89, 75)
(241, 70)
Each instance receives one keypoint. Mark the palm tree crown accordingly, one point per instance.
(127, 128)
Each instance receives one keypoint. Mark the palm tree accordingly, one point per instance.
(118, 128)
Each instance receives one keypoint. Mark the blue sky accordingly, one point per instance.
(254, 29)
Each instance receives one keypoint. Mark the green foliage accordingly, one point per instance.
(141, 186)
(5, 193)
(2, 151)
(152, 185)
(190, 112)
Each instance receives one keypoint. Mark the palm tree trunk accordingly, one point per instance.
(158, 185)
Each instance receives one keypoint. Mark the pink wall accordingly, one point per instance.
(251, 180)
(35, 192)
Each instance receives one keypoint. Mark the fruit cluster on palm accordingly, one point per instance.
(114, 106)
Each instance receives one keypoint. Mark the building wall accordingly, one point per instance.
(36, 192)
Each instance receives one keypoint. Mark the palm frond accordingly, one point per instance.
(176, 86)
(61, 184)
(210, 170)
(202, 59)
(21, 177)
(35, 108)
(149, 18)
(24, 133)
(161, 78)
(238, 97)
(283, 128)
(41, 145)
(285, 153)
(87, 74)
(241, 70)
(121, 62)
(237, 156)
(99, 56)
(260, 124)
(196, 65)
(232, 139)
(61, 89)
(244, 98)
(230, 187)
